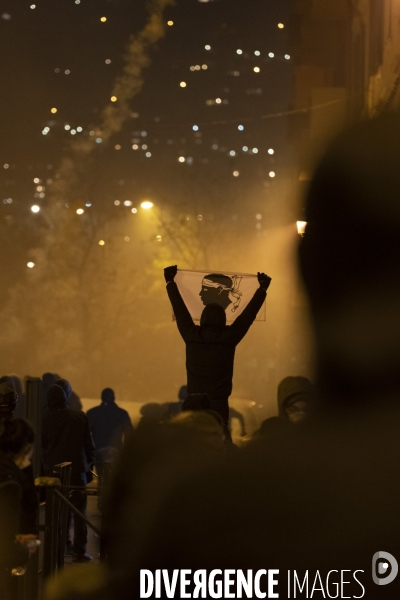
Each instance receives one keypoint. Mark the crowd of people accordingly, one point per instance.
(316, 488)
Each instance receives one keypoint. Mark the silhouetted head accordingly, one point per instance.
(215, 289)
(349, 258)
(213, 315)
(107, 395)
(66, 386)
(8, 398)
(56, 397)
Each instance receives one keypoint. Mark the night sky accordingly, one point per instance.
(54, 56)
(199, 139)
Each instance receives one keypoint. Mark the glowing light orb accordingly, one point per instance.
(147, 204)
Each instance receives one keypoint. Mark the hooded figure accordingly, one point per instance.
(295, 398)
(210, 346)
(66, 438)
(66, 434)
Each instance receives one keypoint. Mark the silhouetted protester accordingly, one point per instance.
(210, 346)
(30, 504)
(16, 447)
(175, 408)
(109, 424)
(66, 438)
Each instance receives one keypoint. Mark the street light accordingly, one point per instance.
(147, 205)
(301, 227)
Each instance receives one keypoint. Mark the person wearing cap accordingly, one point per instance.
(210, 346)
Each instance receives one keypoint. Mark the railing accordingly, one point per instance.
(49, 561)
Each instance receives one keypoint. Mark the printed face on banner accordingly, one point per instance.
(230, 290)
(221, 289)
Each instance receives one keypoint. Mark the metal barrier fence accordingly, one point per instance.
(49, 560)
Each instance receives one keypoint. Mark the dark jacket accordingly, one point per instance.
(65, 435)
(210, 346)
(12, 486)
(109, 424)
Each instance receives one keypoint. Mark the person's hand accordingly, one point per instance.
(263, 280)
(170, 272)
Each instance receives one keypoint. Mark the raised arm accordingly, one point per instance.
(241, 325)
(183, 319)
